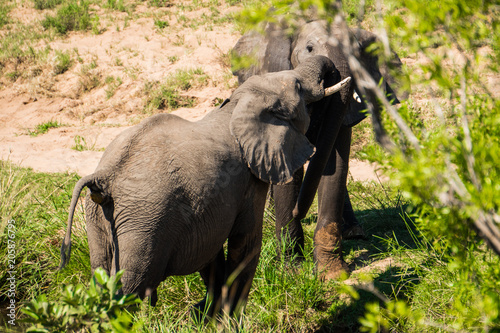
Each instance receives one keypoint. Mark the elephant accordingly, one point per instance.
(168, 192)
(276, 50)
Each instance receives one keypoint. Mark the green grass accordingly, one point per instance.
(90, 77)
(4, 13)
(116, 5)
(81, 144)
(73, 16)
(17, 45)
(63, 62)
(44, 127)
(38, 204)
(112, 83)
(167, 95)
(46, 4)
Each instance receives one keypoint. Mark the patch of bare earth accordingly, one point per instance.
(132, 50)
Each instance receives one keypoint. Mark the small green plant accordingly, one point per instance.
(96, 25)
(96, 309)
(162, 96)
(116, 5)
(63, 62)
(167, 95)
(90, 77)
(44, 127)
(72, 16)
(161, 24)
(82, 145)
(13, 76)
(118, 62)
(112, 84)
(173, 59)
(46, 4)
(160, 3)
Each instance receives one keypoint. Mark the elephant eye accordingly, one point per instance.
(309, 48)
(298, 86)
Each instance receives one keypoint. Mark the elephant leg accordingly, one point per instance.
(289, 231)
(213, 276)
(351, 229)
(243, 252)
(331, 194)
(99, 236)
(137, 252)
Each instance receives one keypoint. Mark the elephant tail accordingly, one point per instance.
(87, 181)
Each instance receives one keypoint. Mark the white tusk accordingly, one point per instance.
(333, 89)
(356, 97)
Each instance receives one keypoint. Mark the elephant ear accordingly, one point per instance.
(266, 53)
(272, 147)
(358, 107)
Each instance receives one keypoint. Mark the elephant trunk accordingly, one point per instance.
(91, 181)
(317, 71)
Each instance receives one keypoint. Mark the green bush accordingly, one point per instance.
(63, 62)
(72, 16)
(167, 95)
(46, 4)
(96, 309)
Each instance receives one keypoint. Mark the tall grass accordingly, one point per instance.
(38, 203)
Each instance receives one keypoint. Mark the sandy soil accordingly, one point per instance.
(137, 53)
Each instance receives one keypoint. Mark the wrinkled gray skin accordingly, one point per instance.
(168, 192)
(329, 131)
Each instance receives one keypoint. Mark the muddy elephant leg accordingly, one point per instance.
(331, 194)
(289, 231)
(213, 276)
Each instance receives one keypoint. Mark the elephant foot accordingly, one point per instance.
(328, 252)
(203, 311)
(354, 232)
(332, 270)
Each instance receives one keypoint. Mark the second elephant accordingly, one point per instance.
(329, 131)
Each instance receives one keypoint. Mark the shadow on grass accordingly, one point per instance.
(387, 231)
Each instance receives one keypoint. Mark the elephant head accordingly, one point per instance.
(260, 119)
(276, 51)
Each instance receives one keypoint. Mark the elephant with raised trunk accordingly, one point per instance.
(168, 192)
(330, 132)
